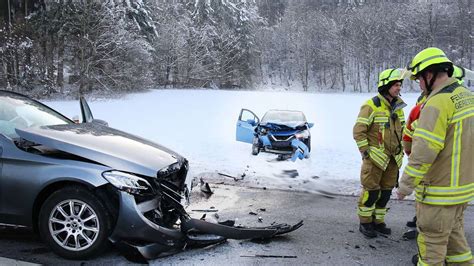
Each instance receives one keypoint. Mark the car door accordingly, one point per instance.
(246, 124)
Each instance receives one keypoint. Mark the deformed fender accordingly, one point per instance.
(132, 225)
(301, 150)
(265, 140)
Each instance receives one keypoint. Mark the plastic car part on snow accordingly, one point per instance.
(301, 150)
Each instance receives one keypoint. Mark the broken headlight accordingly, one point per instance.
(127, 182)
(170, 169)
(302, 135)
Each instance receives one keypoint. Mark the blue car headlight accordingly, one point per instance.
(303, 134)
(126, 182)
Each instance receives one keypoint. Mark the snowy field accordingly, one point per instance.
(200, 125)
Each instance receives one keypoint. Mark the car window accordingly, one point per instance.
(21, 112)
(247, 116)
(283, 117)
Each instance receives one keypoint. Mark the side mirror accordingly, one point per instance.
(251, 122)
(76, 119)
(100, 122)
(310, 125)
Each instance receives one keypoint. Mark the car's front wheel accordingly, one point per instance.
(255, 146)
(74, 223)
(307, 142)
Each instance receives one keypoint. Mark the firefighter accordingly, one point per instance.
(412, 121)
(378, 133)
(459, 73)
(440, 167)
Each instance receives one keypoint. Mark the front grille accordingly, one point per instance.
(281, 142)
(281, 138)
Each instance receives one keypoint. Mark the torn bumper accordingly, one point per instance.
(140, 239)
(134, 234)
(233, 232)
(301, 151)
(289, 146)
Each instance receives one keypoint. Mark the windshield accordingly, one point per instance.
(283, 117)
(20, 112)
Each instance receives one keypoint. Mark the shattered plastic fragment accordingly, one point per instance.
(269, 256)
(205, 187)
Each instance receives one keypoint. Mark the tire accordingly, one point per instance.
(255, 146)
(74, 241)
(307, 142)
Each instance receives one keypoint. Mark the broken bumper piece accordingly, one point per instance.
(301, 151)
(234, 232)
(139, 239)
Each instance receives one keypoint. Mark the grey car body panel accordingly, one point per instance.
(24, 175)
(105, 145)
(132, 225)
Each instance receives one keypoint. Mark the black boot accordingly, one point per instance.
(367, 229)
(410, 234)
(412, 223)
(414, 259)
(382, 228)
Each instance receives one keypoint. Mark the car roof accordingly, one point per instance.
(279, 110)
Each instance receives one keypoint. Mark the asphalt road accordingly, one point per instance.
(329, 235)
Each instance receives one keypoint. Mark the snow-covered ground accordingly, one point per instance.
(200, 125)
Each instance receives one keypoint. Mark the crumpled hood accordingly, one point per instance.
(105, 145)
(283, 126)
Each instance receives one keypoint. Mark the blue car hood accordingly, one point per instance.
(291, 126)
(104, 145)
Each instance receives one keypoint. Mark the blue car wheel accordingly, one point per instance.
(307, 142)
(255, 146)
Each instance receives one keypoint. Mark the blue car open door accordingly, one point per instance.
(245, 129)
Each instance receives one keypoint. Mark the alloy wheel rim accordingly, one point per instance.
(74, 225)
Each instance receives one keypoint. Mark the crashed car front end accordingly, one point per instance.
(146, 225)
(282, 139)
(147, 212)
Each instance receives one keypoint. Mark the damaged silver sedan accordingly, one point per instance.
(84, 185)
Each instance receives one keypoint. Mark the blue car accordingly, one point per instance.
(282, 132)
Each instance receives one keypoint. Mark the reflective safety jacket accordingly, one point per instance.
(411, 123)
(378, 130)
(441, 165)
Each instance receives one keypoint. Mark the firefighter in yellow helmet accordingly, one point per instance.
(460, 73)
(378, 133)
(440, 168)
